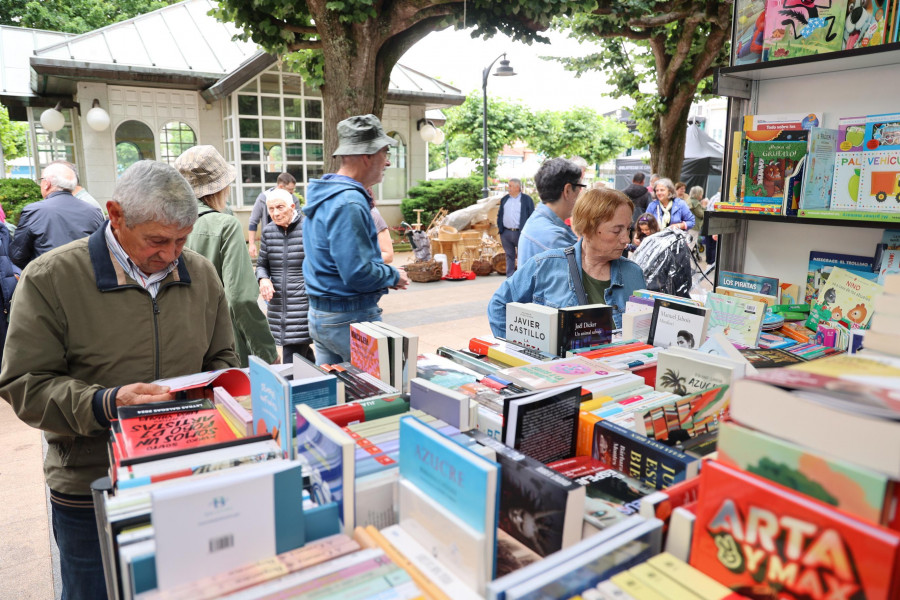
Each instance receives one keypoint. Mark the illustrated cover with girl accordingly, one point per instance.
(803, 27)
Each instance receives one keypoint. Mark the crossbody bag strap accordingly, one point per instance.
(575, 273)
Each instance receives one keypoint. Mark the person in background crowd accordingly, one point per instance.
(219, 238)
(696, 203)
(93, 323)
(638, 193)
(385, 244)
(680, 191)
(646, 225)
(79, 192)
(343, 269)
(670, 211)
(558, 183)
(515, 208)
(279, 270)
(602, 218)
(259, 216)
(651, 189)
(56, 220)
(9, 277)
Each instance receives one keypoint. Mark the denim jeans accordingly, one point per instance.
(80, 563)
(331, 332)
(510, 241)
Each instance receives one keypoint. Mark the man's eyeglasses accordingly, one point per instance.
(578, 185)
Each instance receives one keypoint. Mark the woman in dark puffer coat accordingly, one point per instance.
(279, 270)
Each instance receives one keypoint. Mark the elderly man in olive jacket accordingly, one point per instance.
(92, 324)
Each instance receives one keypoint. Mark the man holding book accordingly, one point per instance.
(345, 273)
(559, 184)
(92, 324)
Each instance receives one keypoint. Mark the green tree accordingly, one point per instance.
(580, 131)
(508, 122)
(351, 46)
(73, 16)
(13, 136)
(674, 44)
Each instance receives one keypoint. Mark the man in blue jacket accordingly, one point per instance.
(558, 184)
(515, 208)
(345, 275)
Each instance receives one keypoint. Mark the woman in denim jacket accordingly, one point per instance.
(602, 220)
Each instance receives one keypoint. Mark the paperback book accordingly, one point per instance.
(737, 319)
(583, 327)
(821, 264)
(676, 324)
(369, 351)
(564, 371)
(690, 416)
(768, 165)
(543, 425)
(532, 325)
(272, 405)
(682, 372)
(819, 169)
(746, 282)
(848, 296)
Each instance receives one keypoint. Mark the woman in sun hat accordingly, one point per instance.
(220, 238)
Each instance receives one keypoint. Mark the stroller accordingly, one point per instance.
(670, 261)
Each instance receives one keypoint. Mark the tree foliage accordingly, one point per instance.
(674, 44)
(73, 16)
(354, 44)
(13, 136)
(578, 131)
(431, 196)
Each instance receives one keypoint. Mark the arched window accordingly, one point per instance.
(395, 176)
(175, 138)
(134, 142)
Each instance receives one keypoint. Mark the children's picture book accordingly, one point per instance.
(888, 263)
(543, 425)
(583, 327)
(532, 325)
(852, 488)
(851, 134)
(879, 181)
(791, 293)
(767, 299)
(864, 23)
(819, 168)
(793, 187)
(149, 429)
(845, 186)
(834, 551)
(272, 407)
(882, 132)
(768, 165)
(327, 455)
(369, 351)
(849, 297)
(693, 415)
(821, 264)
(676, 324)
(755, 125)
(563, 371)
(796, 28)
(748, 283)
(750, 17)
(740, 320)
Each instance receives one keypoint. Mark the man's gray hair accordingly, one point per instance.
(150, 191)
(515, 180)
(60, 176)
(71, 166)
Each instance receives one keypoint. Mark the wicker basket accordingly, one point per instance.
(499, 262)
(482, 267)
(424, 272)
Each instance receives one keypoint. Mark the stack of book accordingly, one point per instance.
(385, 352)
(884, 331)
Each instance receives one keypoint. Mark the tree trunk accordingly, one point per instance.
(668, 157)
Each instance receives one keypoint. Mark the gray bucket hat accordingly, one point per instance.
(205, 170)
(362, 134)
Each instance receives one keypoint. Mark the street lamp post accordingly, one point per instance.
(504, 70)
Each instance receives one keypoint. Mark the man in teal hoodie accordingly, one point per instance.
(345, 275)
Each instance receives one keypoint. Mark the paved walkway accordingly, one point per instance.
(444, 313)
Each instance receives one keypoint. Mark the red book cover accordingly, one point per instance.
(766, 541)
(613, 351)
(661, 503)
(167, 426)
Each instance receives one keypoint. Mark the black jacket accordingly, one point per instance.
(641, 198)
(527, 207)
(281, 260)
(55, 221)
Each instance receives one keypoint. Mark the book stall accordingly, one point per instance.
(745, 444)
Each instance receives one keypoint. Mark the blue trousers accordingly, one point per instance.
(331, 332)
(81, 566)
(510, 240)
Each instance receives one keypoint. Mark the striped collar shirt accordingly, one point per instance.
(148, 282)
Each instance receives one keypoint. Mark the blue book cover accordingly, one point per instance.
(818, 176)
(270, 397)
(317, 393)
(465, 483)
(328, 458)
(821, 264)
(882, 132)
(746, 282)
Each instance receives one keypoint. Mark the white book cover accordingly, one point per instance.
(410, 352)
(636, 325)
(533, 326)
(879, 181)
(845, 190)
(676, 324)
(683, 374)
(243, 515)
(462, 549)
(395, 352)
(377, 498)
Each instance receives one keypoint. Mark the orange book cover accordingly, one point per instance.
(149, 429)
(766, 541)
(585, 439)
(614, 350)
(369, 352)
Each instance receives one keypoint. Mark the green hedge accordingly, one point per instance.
(431, 196)
(16, 194)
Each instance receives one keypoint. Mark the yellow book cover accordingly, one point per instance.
(635, 588)
(661, 584)
(850, 297)
(699, 582)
